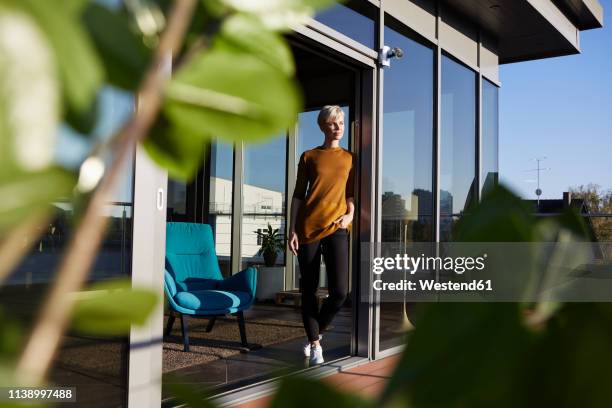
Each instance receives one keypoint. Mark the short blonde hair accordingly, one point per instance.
(329, 111)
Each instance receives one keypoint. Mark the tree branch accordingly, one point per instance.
(56, 311)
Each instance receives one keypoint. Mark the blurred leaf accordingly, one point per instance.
(11, 337)
(75, 7)
(25, 193)
(462, 355)
(216, 8)
(280, 14)
(110, 308)
(500, 217)
(232, 95)
(79, 68)
(83, 122)
(123, 53)
(571, 364)
(28, 87)
(246, 33)
(186, 394)
(299, 392)
(180, 152)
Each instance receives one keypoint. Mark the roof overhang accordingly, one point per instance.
(531, 29)
(585, 14)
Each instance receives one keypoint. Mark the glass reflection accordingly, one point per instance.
(490, 137)
(407, 198)
(457, 144)
(220, 202)
(97, 366)
(263, 192)
(177, 201)
(351, 21)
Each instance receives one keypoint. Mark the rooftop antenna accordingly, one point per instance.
(538, 169)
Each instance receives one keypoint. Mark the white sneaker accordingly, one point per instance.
(316, 355)
(306, 346)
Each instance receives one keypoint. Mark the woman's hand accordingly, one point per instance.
(293, 242)
(344, 221)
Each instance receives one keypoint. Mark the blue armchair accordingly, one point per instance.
(193, 282)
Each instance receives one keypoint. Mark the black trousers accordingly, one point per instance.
(334, 249)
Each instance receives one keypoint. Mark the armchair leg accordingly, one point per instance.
(210, 324)
(185, 331)
(169, 324)
(241, 326)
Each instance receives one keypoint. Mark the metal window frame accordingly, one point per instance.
(478, 91)
(401, 14)
(237, 205)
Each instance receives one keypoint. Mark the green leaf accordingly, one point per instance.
(280, 14)
(11, 336)
(299, 392)
(246, 33)
(500, 217)
(79, 67)
(571, 364)
(26, 193)
(83, 122)
(180, 152)
(123, 53)
(75, 7)
(234, 96)
(110, 308)
(28, 87)
(472, 351)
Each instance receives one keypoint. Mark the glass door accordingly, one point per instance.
(243, 189)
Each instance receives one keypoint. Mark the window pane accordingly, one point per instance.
(490, 136)
(220, 203)
(351, 23)
(96, 365)
(177, 200)
(457, 144)
(263, 192)
(407, 192)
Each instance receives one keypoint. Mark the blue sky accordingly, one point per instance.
(560, 108)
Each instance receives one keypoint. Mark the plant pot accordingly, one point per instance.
(270, 281)
(270, 258)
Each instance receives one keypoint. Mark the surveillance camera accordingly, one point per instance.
(385, 55)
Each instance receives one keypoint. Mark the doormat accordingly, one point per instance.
(224, 339)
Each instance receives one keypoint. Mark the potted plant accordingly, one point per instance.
(271, 278)
(271, 244)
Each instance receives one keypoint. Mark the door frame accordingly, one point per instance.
(151, 186)
(362, 61)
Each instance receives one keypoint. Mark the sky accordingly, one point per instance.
(561, 109)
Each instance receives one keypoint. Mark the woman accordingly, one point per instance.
(321, 216)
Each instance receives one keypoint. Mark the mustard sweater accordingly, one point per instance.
(324, 181)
